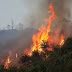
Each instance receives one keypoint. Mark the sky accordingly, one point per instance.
(19, 11)
(12, 10)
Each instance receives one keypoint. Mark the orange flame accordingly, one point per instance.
(7, 62)
(62, 40)
(43, 34)
(16, 55)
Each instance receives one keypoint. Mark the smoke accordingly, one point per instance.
(63, 22)
(37, 12)
(62, 8)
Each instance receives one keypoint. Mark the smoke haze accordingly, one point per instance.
(37, 12)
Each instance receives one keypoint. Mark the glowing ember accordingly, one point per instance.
(7, 62)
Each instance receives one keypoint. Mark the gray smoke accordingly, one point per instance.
(37, 12)
(63, 22)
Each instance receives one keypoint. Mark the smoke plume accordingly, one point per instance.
(37, 12)
(62, 9)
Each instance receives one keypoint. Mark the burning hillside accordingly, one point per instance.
(43, 42)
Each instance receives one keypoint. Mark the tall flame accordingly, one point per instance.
(7, 62)
(16, 55)
(43, 34)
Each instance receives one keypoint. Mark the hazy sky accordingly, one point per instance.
(12, 9)
(18, 10)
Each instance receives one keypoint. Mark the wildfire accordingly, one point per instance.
(42, 38)
(43, 34)
(7, 62)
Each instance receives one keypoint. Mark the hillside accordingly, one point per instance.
(59, 60)
(15, 40)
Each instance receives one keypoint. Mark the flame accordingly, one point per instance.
(16, 55)
(7, 62)
(43, 35)
(27, 52)
(62, 40)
